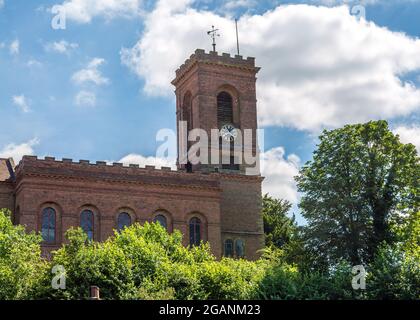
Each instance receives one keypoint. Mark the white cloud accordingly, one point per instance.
(91, 73)
(17, 151)
(236, 4)
(83, 11)
(61, 46)
(1, 4)
(356, 2)
(152, 161)
(321, 67)
(21, 102)
(33, 63)
(409, 134)
(279, 173)
(341, 2)
(14, 47)
(85, 99)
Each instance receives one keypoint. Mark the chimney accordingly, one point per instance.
(94, 293)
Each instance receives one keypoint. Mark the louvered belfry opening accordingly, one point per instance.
(224, 108)
(186, 110)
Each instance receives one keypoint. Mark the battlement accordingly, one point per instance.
(48, 159)
(213, 57)
(119, 171)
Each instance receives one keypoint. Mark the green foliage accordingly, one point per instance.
(286, 282)
(360, 181)
(21, 266)
(145, 262)
(394, 274)
(278, 227)
(88, 263)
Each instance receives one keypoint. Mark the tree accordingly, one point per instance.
(21, 267)
(361, 180)
(278, 227)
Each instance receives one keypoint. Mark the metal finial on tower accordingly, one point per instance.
(213, 34)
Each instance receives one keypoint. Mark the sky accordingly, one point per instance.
(99, 87)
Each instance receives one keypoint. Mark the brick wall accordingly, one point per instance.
(70, 188)
(241, 216)
(6, 195)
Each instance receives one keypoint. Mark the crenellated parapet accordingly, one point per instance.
(99, 164)
(107, 171)
(111, 173)
(212, 57)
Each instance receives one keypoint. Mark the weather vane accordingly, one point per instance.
(213, 34)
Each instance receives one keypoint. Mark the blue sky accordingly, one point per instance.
(100, 89)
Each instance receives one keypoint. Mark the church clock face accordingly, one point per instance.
(229, 132)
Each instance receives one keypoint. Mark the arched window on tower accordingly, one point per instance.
(48, 225)
(161, 219)
(124, 221)
(195, 231)
(87, 223)
(224, 108)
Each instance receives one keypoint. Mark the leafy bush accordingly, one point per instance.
(145, 262)
(394, 274)
(21, 267)
(88, 263)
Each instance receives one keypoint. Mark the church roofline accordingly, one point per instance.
(101, 170)
(130, 169)
(88, 163)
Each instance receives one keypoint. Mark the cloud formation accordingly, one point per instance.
(152, 161)
(279, 172)
(409, 134)
(21, 102)
(14, 47)
(83, 11)
(91, 74)
(17, 151)
(85, 99)
(321, 67)
(61, 46)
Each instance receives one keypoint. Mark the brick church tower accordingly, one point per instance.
(217, 93)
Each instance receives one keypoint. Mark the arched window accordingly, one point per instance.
(161, 219)
(224, 108)
(195, 231)
(229, 248)
(124, 220)
(87, 223)
(48, 225)
(240, 248)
